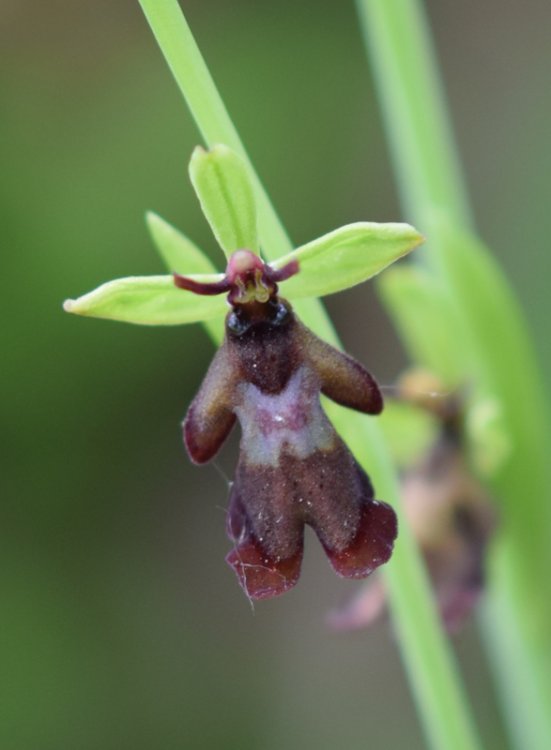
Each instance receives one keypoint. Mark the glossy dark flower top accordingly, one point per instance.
(293, 468)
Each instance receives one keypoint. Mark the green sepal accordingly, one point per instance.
(148, 300)
(221, 181)
(179, 254)
(489, 442)
(429, 326)
(346, 257)
(427, 322)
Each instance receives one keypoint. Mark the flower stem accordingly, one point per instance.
(192, 76)
(518, 615)
(425, 651)
(423, 148)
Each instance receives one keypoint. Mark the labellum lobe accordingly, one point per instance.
(293, 468)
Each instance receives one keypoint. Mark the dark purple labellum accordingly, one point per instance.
(293, 468)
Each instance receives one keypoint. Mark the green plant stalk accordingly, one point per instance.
(429, 663)
(422, 147)
(518, 613)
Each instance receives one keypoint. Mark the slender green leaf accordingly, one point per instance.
(180, 254)
(507, 366)
(346, 257)
(427, 323)
(148, 300)
(222, 184)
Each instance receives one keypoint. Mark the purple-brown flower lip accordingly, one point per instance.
(247, 279)
(293, 468)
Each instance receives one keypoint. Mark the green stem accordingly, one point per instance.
(423, 148)
(205, 103)
(428, 660)
(518, 614)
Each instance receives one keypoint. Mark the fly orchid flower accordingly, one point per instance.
(448, 510)
(293, 468)
(268, 374)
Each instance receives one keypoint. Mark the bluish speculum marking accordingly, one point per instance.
(291, 420)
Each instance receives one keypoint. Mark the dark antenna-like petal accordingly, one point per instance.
(284, 273)
(198, 287)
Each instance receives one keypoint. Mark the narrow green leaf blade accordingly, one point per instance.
(346, 257)
(148, 300)
(224, 189)
(427, 322)
(179, 253)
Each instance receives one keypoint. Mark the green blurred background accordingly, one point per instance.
(121, 625)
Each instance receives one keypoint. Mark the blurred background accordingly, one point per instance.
(121, 626)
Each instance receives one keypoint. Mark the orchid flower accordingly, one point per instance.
(268, 375)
